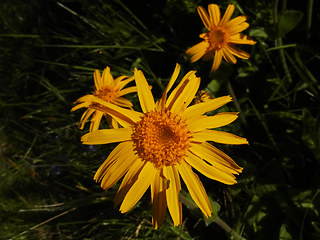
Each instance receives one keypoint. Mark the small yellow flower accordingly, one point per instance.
(106, 89)
(162, 144)
(221, 37)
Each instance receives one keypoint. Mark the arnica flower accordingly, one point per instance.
(163, 144)
(105, 89)
(221, 38)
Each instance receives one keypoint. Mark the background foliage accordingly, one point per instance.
(49, 50)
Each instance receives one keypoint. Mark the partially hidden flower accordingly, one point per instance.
(221, 38)
(106, 89)
(164, 143)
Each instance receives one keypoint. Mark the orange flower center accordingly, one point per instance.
(218, 38)
(161, 138)
(107, 93)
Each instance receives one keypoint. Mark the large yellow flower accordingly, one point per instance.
(221, 37)
(162, 144)
(107, 89)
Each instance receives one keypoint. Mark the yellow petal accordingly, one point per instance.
(209, 170)
(123, 116)
(198, 50)
(85, 117)
(204, 17)
(195, 187)
(215, 157)
(184, 93)
(128, 180)
(201, 108)
(117, 152)
(217, 60)
(107, 79)
(111, 121)
(95, 121)
(140, 186)
(240, 38)
(218, 120)
(218, 136)
(128, 90)
(114, 172)
(227, 15)
(105, 136)
(235, 22)
(227, 55)
(87, 98)
(158, 198)
(214, 13)
(169, 85)
(81, 105)
(122, 81)
(173, 191)
(239, 28)
(238, 52)
(97, 80)
(122, 102)
(144, 93)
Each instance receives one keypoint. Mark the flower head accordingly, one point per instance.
(164, 143)
(106, 89)
(221, 38)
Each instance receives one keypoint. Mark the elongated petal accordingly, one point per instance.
(218, 120)
(201, 108)
(217, 60)
(144, 93)
(107, 79)
(195, 187)
(129, 179)
(95, 121)
(169, 85)
(123, 116)
(173, 190)
(105, 136)
(117, 152)
(128, 90)
(114, 172)
(239, 28)
(140, 186)
(97, 80)
(235, 22)
(214, 13)
(227, 15)
(209, 170)
(158, 197)
(85, 117)
(81, 105)
(111, 121)
(198, 51)
(86, 98)
(227, 55)
(240, 38)
(238, 52)
(122, 81)
(184, 93)
(122, 102)
(204, 17)
(219, 137)
(215, 157)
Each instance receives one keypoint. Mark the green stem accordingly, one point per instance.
(218, 221)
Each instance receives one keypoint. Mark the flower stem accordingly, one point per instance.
(228, 229)
(218, 221)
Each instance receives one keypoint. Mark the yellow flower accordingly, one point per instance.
(106, 89)
(221, 37)
(162, 144)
